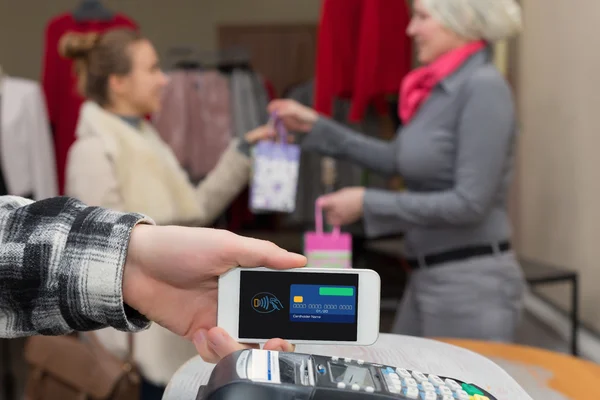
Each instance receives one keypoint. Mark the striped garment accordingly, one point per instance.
(61, 265)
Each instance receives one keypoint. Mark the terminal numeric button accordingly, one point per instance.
(410, 382)
(369, 389)
(403, 373)
(341, 385)
(428, 396)
(436, 380)
(355, 387)
(411, 393)
(427, 387)
(453, 385)
(419, 376)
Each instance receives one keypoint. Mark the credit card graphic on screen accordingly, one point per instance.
(323, 303)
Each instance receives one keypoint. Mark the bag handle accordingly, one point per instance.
(279, 128)
(319, 219)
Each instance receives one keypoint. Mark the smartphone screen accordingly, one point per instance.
(301, 306)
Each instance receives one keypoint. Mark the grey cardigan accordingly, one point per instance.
(456, 156)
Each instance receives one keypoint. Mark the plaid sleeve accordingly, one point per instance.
(61, 266)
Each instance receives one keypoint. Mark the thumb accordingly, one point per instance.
(325, 201)
(249, 252)
(215, 344)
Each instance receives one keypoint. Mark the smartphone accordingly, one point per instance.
(304, 305)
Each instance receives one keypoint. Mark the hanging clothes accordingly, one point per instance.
(249, 101)
(59, 81)
(244, 103)
(195, 119)
(26, 152)
(363, 54)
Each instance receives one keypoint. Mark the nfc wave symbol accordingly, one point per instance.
(266, 303)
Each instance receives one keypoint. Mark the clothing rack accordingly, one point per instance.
(225, 60)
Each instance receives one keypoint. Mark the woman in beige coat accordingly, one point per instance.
(119, 161)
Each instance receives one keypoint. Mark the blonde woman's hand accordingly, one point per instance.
(295, 116)
(261, 133)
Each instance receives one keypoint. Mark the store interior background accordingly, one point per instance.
(553, 68)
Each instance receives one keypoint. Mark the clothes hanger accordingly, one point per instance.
(189, 57)
(92, 10)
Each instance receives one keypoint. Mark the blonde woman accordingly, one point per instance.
(456, 153)
(119, 162)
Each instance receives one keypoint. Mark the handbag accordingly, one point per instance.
(327, 250)
(275, 173)
(79, 367)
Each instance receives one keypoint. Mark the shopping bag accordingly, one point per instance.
(327, 250)
(275, 173)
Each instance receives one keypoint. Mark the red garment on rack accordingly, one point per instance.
(60, 84)
(363, 53)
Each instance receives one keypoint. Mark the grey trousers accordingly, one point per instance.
(479, 298)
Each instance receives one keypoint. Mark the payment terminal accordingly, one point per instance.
(263, 374)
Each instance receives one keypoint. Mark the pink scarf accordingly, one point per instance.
(418, 84)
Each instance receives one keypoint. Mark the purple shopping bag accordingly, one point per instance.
(275, 173)
(327, 250)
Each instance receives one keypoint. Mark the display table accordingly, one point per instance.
(563, 376)
(403, 351)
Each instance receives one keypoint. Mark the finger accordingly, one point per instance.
(215, 344)
(259, 133)
(276, 105)
(201, 344)
(248, 252)
(334, 218)
(326, 201)
(279, 345)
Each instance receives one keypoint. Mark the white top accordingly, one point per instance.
(26, 147)
(420, 354)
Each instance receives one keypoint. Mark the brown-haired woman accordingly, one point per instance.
(119, 161)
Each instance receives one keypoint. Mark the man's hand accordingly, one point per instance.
(171, 277)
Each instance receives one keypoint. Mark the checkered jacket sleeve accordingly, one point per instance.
(61, 265)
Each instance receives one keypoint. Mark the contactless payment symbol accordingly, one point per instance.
(266, 303)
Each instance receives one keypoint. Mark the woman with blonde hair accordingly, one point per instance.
(119, 162)
(455, 152)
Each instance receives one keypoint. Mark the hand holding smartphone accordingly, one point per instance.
(305, 305)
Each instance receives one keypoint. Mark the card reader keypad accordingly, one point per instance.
(419, 386)
(408, 384)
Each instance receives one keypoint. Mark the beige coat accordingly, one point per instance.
(116, 166)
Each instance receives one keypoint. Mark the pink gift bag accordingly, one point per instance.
(327, 250)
